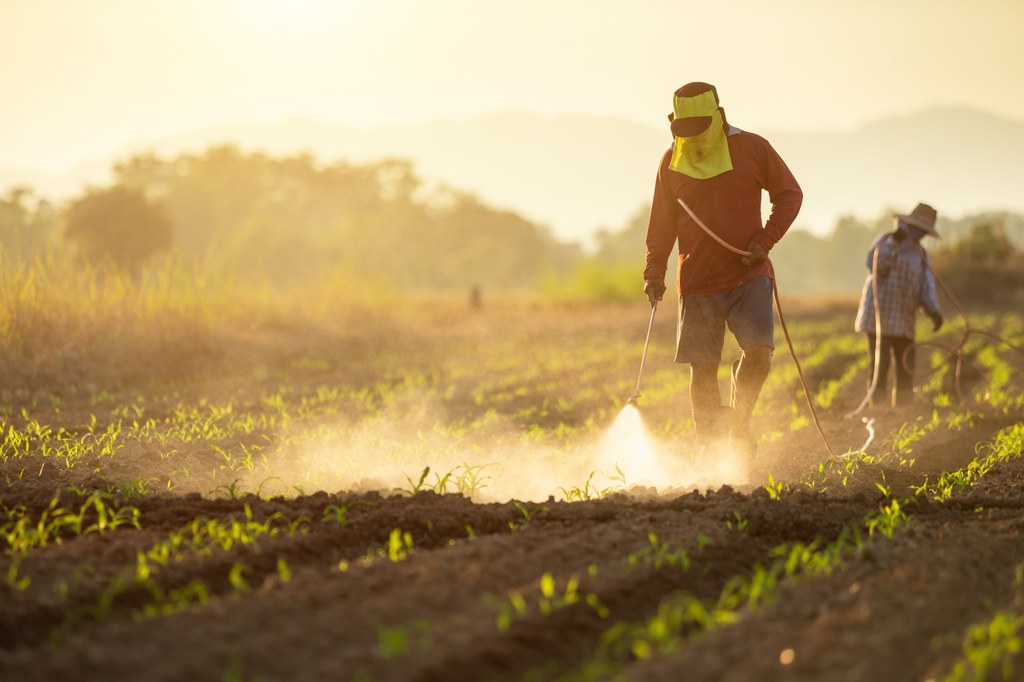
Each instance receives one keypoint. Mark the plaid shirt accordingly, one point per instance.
(906, 283)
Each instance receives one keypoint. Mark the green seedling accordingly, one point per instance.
(658, 554)
(527, 515)
(775, 489)
(284, 572)
(989, 647)
(415, 487)
(236, 577)
(888, 519)
(472, 479)
(397, 642)
(399, 545)
(336, 513)
(232, 491)
(737, 522)
(515, 606)
(587, 492)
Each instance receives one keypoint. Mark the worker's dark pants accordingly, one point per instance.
(896, 350)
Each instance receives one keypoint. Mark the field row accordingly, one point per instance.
(487, 519)
(433, 583)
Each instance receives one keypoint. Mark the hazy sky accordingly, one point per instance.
(82, 78)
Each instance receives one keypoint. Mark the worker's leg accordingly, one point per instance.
(755, 363)
(700, 336)
(881, 395)
(751, 320)
(903, 352)
(749, 377)
(709, 423)
(869, 385)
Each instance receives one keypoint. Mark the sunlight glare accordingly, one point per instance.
(297, 22)
(629, 446)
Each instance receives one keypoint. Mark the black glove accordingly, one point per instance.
(936, 318)
(757, 255)
(654, 290)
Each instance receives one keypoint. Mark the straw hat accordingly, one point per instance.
(923, 216)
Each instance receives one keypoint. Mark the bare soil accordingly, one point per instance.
(894, 610)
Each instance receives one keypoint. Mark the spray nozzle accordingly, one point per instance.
(633, 398)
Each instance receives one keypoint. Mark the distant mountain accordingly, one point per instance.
(576, 174)
(959, 160)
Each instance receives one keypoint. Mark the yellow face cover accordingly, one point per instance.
(707, 154)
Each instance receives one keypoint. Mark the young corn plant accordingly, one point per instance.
(398, 548)
(888, 519)
(418, 485)
(658, 554)
(776, 489)
(989, 647)
(336, 513)
(589, 491)
(165, 603)
(514, 606)
(472, 479)
(397, 642)
(399, 545)
(737, 522)
(527, 515)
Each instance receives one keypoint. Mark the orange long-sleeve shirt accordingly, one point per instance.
(729, 204)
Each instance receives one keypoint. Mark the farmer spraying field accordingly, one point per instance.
(707, 196)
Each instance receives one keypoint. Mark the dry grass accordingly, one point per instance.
(71, 329)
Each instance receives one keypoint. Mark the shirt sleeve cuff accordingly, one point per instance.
(763, 240)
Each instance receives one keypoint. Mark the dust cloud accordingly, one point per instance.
(415, 445)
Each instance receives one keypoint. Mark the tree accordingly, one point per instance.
(118, 224)
(985, 245)
(982, 268)
(25, 226)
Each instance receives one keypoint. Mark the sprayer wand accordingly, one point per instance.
(643, 358)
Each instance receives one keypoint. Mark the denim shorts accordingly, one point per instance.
(747, 310)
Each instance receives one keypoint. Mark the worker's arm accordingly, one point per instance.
(886, 246)
(786, 197)
(661, 230)
(929, 299)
